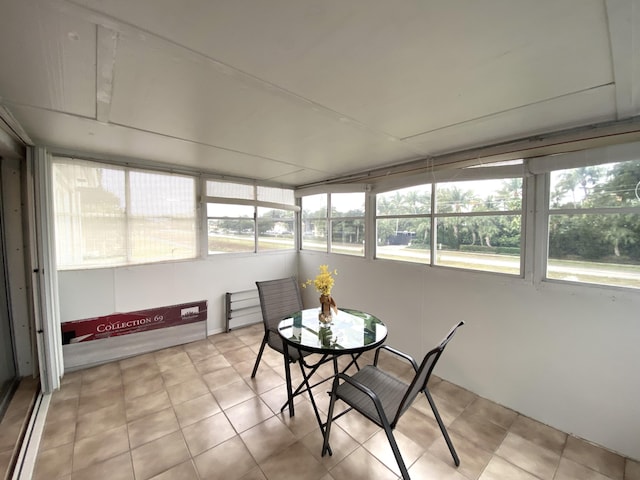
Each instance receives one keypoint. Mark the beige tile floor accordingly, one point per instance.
(193, 412)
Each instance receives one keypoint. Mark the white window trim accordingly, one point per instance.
(584, 158)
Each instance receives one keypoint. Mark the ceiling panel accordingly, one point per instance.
(158, 88)
(99, 139)
(593, 106)
(427, 64)
(47, 59)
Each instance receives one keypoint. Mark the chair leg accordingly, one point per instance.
(445, 434)
(287, 371)
(395, 449)
(255, 367)
(327, 428)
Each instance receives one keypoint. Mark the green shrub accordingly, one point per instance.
(508, 250)
(477, 248)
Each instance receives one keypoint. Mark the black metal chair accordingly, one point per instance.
(279, 298)
(383, 398)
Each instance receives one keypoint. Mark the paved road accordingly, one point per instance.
(556, 269)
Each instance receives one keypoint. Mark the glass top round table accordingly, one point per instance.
(351, 331)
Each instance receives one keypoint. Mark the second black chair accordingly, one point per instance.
(383, 398)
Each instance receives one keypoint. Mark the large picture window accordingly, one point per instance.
(594, 224)
(107, 215)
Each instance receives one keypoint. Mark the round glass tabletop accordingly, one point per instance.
(351, 331)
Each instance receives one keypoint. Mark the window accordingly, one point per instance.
(594, 224)
(107, 215)
(479, 225)
(345, 220)
(403, 224)
(248, 218)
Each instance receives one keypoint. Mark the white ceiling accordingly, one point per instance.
(300, 91)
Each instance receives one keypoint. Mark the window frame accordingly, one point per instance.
(462, 175)
(329, 218)
(252, 202)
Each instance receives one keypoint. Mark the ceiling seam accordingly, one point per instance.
(508, 110)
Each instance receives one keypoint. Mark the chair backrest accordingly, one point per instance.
(278, 298)
(423, 374)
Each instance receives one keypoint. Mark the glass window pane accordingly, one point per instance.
(230, 190)
(611, 185)
(314, 235)
(90, 214)
(275, 229)
(406, 201)
(347, 236)
(162, 238)
(276, 195)
(162, 220)
(490, 243)
(314, 206)
(347, 204)
(222, 210)
(231, 235)
(158, 194)
(404, 239)
(599, 249)
(479, 196)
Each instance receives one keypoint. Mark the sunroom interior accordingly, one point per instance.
(475, 161)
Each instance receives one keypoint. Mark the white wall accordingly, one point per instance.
(91, 293)
(564, 355)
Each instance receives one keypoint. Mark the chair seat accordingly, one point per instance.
(389, 389)
(275, 342)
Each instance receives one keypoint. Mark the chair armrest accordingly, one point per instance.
(396, 352)
(364, 389)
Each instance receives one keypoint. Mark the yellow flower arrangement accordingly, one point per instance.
(324, 280)
(324, 283)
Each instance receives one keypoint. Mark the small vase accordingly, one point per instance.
(325, 335)
(326, 304)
